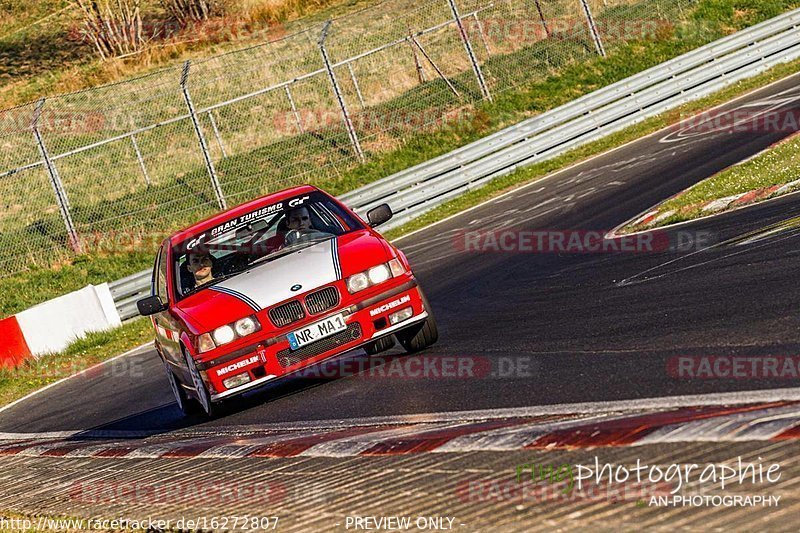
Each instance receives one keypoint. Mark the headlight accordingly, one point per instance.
(245, 327)
(223, 335)
(378, 274)
(205, 343)
(374, 276)
(358, 282)
(228, 333)
(396, 267)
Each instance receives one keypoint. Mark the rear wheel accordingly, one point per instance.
(203, 398)
(420, 335)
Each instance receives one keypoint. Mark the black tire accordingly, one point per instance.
(420, 335)
(380, 345)
(202, 401)
(188, 406)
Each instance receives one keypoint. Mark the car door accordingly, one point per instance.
(167, 327)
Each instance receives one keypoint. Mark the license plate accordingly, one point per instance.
(316, 331)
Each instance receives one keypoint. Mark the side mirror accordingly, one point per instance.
(379, 215)
(151, 305)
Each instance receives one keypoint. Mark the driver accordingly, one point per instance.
(200, 266)
(298, 221)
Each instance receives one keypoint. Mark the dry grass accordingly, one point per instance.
(42, 51)
(17, 16)
(270, 11)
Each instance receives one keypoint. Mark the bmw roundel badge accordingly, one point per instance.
(295, 288)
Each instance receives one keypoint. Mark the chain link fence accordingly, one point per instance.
(155, 153)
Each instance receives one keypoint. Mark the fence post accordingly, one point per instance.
(416, 43)
(420, 70)
(351, 131)
(598, 43)
(217, 135)
(55, 179)
(470, 52)
(297, 119)
(482, 33)
(544, 20)
(140, 159)
(355, 84)
(212, 172)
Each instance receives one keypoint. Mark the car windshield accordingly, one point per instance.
(257, 237)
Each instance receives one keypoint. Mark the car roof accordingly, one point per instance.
(220, 218)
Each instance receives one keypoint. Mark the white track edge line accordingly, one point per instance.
(62, 380)
(665, 402)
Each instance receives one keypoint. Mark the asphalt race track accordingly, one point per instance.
(589, 326)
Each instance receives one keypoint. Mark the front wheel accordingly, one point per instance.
(203, 398)
(421, 335)
(185, 404)
(380, 345)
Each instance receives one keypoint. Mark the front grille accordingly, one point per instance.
(285, 314)
(288, 357)
(321, 301)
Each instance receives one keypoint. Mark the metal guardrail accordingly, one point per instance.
(696, 74)
(705, 70)
(127, 291)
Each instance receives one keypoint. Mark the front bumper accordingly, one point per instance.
(269, 358)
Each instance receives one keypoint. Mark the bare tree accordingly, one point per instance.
(188, 11)
(113, 26)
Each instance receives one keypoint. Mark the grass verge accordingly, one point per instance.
(772, 173)
(34, 374)
(37, 285)
(97, 347)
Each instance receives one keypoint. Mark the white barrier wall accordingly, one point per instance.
(51, 326)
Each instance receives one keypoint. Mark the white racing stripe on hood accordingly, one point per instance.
(271, 282)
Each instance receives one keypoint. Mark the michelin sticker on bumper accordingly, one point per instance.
(390, 305)
(237, 366)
